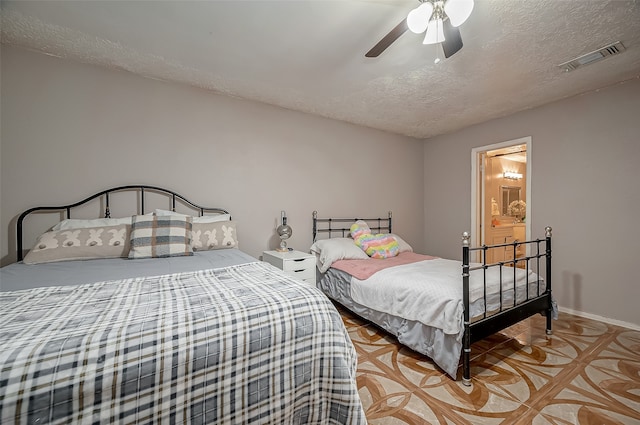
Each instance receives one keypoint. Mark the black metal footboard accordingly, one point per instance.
(491, 322)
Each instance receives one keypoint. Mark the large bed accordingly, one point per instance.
(435, 306)
(208, 336)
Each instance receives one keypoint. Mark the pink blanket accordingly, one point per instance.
(363, 269)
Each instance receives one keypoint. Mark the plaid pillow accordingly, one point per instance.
(160, 236)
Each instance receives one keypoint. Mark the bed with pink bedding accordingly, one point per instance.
(435, 306)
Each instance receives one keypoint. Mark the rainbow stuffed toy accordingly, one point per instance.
(376, 246)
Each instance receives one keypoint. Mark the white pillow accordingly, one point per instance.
(76, 223)
(404, 246)
(212, 218)
(327, 251)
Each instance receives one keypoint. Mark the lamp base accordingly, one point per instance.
(283, 246)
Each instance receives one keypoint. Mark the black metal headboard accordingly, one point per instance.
(325, 225)
(107, 214)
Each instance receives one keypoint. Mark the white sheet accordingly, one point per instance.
(430, 292)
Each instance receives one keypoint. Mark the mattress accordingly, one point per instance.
(18, 276)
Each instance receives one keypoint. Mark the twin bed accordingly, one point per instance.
(435, 306)
(169, 323)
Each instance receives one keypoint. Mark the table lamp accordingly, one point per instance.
(284, 232)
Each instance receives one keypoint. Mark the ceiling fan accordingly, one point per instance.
(440, 19)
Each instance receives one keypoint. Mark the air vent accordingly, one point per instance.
(591, 57)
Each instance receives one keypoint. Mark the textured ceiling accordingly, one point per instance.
(309, 55)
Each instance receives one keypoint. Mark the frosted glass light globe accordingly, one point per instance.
(458, 11)
(418, 18)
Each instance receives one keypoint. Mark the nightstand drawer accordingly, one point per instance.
(299, 264)
(302, 274)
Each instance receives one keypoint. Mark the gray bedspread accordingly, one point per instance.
(18, 276)
(239, 344)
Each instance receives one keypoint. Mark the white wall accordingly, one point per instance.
(70, 130)
(585, 184)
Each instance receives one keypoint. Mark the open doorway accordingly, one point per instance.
(501, 195)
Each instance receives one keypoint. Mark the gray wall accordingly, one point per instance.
(585, 161)
(70, 130)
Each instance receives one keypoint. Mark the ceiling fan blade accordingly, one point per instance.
(388, 40)
(452, 40)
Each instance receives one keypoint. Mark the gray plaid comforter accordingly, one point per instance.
(241, 344)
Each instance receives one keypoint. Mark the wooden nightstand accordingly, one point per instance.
(295, 263)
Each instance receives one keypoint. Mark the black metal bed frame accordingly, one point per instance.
(107, 213)
(344, 231)
(490, 323)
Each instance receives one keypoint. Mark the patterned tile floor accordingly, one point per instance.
(587, 372)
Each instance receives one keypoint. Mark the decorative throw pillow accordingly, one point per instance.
(358, 229)
(376, 246)
(80, 244)
(165, 236)
(380, 245)
(216, 235)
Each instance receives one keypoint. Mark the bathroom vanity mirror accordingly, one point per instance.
(508, 195)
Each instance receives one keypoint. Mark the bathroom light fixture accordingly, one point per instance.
(511, 175)
(430, 15)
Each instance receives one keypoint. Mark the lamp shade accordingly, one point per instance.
(435, 33)
(418, 18)
(458, 11)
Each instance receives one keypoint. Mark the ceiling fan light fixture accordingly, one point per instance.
(458, 11)
(435, 34)
(418, 18)
(439, 18)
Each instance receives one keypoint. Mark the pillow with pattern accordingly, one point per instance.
(216, 235)
(160, 236)
(80, 244)
(381, 245)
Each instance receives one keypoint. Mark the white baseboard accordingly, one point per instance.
(632, 326)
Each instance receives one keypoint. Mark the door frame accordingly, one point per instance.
(477, 188)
